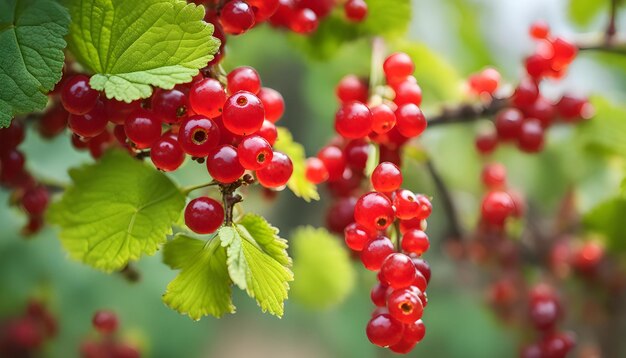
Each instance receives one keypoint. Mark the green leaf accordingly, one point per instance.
(203, 286)
(267, 237)
(31, 54)
(387, 17)
(322, 267)
(582, 12)
(133, 45)
(605, 132)
(116, 210)
(298, 182)
(254, 263)
(606, 219)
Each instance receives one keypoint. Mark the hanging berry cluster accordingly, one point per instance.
(31, 196)
(108, 344)
(529, 114)
(26, 335)
(500, 203)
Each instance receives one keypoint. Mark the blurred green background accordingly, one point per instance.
(452, 39)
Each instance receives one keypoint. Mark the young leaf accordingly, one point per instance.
(117, 210)
(203, 286)
(31, 54)
(323, 269)
(387, 17)
(582, 12)
(606, 219)
(298, 183)
(133, 45)
(604, 133)
(267, 237)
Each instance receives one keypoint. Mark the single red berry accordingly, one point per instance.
(35, 200)
(543, 110)
(77, 96)
(166, 153)
(383, 330)
(386, 177)
(531, 137)
(352, 88)
(277, 173)
(143, 128)
(268, 132)
(52, 123)
(415, 242)
(237, 17)
(486, 142)
(398, 65)
(353, 120)
(407, 92)
(414, 332)
(486, 81)
(383, 119)
(425, 207)
(243, 113)
(410, 224)
(356, 10)
(356, 152)
(263, 9)
(118, 111)
(406, 204)
(497, 206)
(198, 135)
(375, 252)
(11, 137)
(334, 161)
(340, 214)
(204, 215)
(356, 236)
(89, 124)
(588, 258)
(398, 270)
(410, 120)
(170, 106)
(378, 294)
(207, 97)
(98, 144)
(544, 312)
(244, 78)
(557, 345)
(105, 321)
(572, 108)
(304, 21)
(273, 103)
(321, 8)
(508, 124)
(526, 93)
(254, 152)
(404, 305)
(284, 13)
(564, 53)
(316, 171)
(223, 164)
(539, 30)
(493, 176)
(374, 210)
(405, 346)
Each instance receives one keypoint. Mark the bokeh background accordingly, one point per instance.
(455, 38)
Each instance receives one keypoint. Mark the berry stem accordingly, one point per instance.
(230, 198)
(376, 72)
(189, 189)
(466, 112)
(130, 273)
(455, 228)
(611, 29)
(608, 42)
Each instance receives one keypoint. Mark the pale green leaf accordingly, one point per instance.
(203, 286)
(116, 210)
(267, 237)
(607, 219)
(31, 54)
(582, 12)
(605, 132)
(298, 183)
(134, 45)
(323, 271)
(237, 266)
(387, 17)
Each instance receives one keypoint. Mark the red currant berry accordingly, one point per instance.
(316, 171)
(572, 108)
(378, 294)
(334, 161)
(526, 93)
(375, 252)
(406, 204)
(374, 210)
(320, 7)
(509, 123)
(207, 97)
(353, 120)
(588, 258)
(410, 120)
(539, 30)
(543, 110)
(11, 137)
(410, 224)
(340, 214)
(243, 113)
(52, 123)
(356, 10)
(425, 207)
(564, 53)
(384, 331)
(352, 88)
(383, 119)
(497, 207)
(77, 96)
(268, 132)
(531, 137)
(356, 236)
(284, 13)
(415, 332)
(254, 152)
(204, 215)
(143, 128)
(405, 306)
(407, 92)
(398, 270)
(415, 242)
(405, 346)
(357, 152)
(223, 164)
(118, 111)
(198, 135)
(263, 9)
(35, 200)
(170, 106)
(304, 21)
(493, 176)
(487, 81)
(277, 173)
(166, 153)
(237, 17)
(557, 345)
(486, 142)
(89, 124)
(386, 177)
(244, 78)
(105, 322)
(273, 103)
(398, 65)
(544, 312)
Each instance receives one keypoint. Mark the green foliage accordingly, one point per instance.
(606, 219)
(133, 45)
(386, 18)
(582, 12)
(257, 262)
(116, 210)
(605, 132)
(31, 54)
(323, 269)
(203, 286)
(298, 183)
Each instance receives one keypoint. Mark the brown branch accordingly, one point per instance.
(455, 229)
(230, 199)
(611, 29)
(467, 112)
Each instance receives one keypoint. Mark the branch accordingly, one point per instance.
(466, 112)
(455, 230)
(607, 42)
(611, 29)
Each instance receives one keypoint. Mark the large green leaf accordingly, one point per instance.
(133, 45)
(116, 210)
(582, 12)
(203, 286)
(387, 17)
(31, 54)
(298, 182)
(605, 132)
(323, 271)
(606, 219)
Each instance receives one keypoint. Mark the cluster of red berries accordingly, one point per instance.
(400, 294)
(26, 335)
(544, 311)
(529, 114)
(31, 196)
(586, 259)
(500, 203)
(231, 129)
(108, 345)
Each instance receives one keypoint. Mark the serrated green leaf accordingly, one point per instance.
(606, 131)
(116, 210)
(607, 219)
(582, 12)
(203, 286)
(236, 261)
(267, 237)
(298, 183)
(134, 45)
(324, 274)
(31, 54)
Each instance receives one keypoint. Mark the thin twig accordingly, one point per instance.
(467, 112)
(455, 229)
(611, 29)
